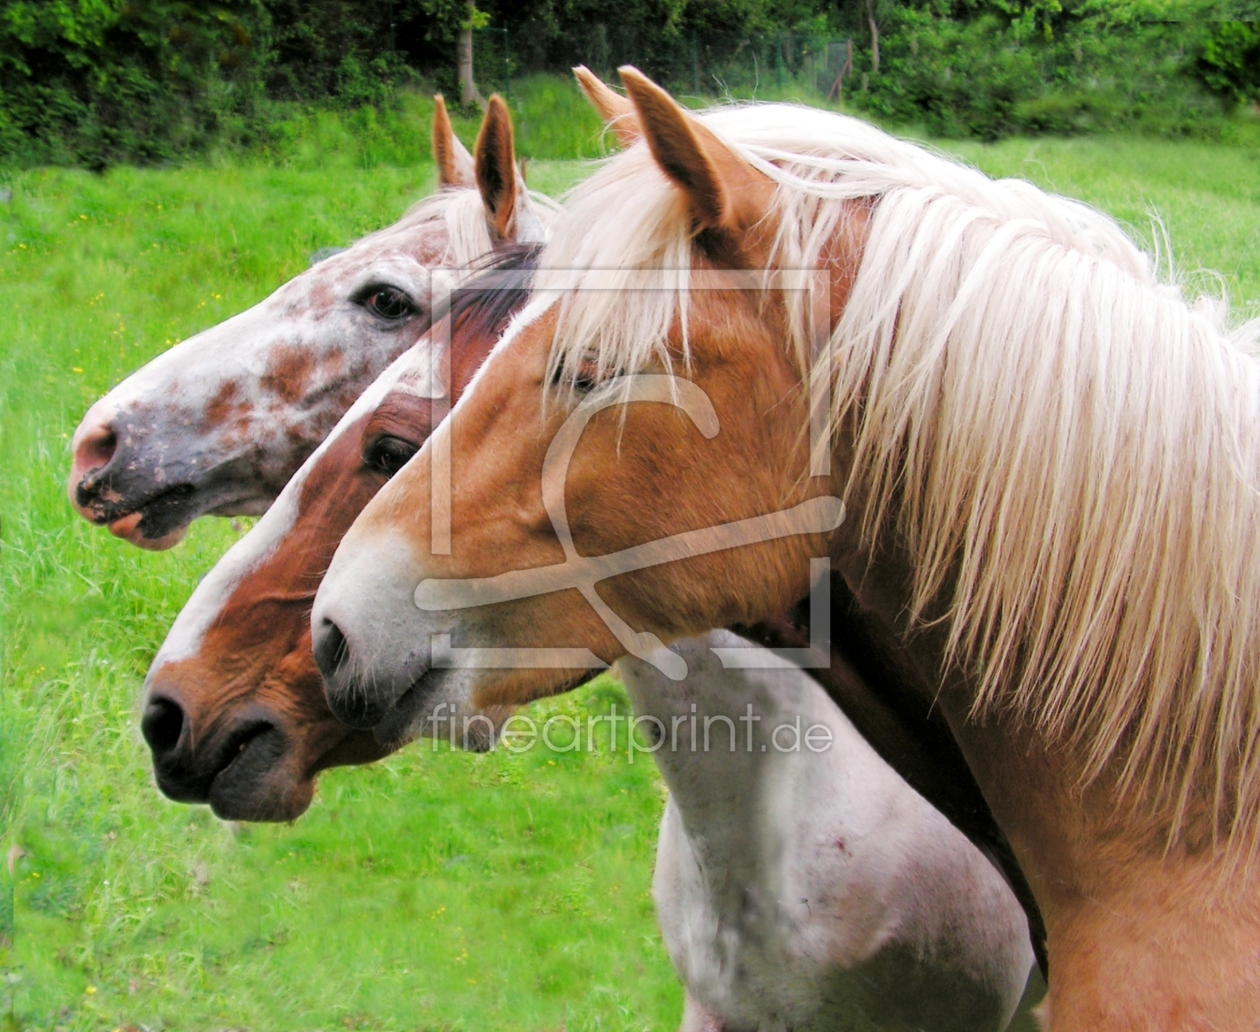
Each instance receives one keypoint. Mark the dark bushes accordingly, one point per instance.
(1076, 71)
(93, 82)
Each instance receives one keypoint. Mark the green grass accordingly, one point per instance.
(1207, 195)
(435, 889)
(552, 120)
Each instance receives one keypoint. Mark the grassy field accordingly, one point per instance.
(434, 890)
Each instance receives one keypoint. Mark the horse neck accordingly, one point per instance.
(1139, 937)
(721, 794)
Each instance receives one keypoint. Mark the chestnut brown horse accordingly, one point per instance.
(219, 724)
(1047, 463)
(234, 710)
(219, 423)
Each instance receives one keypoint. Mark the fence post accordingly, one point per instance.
(778, 62)
(601, 34)
(507, 66)
(695, 67)
(846, 68)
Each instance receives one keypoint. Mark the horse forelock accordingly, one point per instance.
(462, 214)
(1064, 444)
(462, 218)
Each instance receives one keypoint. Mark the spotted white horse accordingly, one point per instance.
(220, 422)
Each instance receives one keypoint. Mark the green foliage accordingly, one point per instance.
(328, 49)
(1230, 60)
(91, 81)
(1042, 67)
(95, 82)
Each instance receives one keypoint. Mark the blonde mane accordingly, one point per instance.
(1068, 451)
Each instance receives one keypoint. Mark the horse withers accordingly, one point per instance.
(219, 423)
(1046, 466)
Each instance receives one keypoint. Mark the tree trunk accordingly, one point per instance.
(870, 17)
(467, 87)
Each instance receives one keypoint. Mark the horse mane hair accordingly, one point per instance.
(1067, 450)
(464, 214)
(486, 304)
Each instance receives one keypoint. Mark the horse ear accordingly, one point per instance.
(496, 166)
(725, 193)
(455, 164)
(502, 185)
(613, 108)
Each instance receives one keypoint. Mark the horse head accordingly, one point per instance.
(218, 424)
(679, 213)
(235, 712)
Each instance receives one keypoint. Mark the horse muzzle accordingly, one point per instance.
(371, 643)
(389, 710)
(126, 475)
(113, 484)
(245, 771)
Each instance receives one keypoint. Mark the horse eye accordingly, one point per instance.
(389, 454)
(389, 303)
(585, 379)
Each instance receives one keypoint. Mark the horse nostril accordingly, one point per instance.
(351, 702)
(331, 649)
(94, 447)
(162, 725)
(98, 450)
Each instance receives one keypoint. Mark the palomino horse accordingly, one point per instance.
(234, 711)
(915, 739)
(219, 423)
(804, 885)
(1047, 461)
